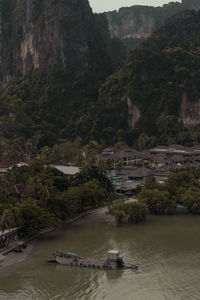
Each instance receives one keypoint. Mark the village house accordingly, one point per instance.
(176, 150)
(134, 173)
(160, 174)
(157, 162)
(6, 165)
(126, 156)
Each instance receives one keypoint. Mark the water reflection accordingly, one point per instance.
(113, 275)
(166, 250)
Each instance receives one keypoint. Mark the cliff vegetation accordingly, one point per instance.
(154, 98)
(134, 24)
(54, 57)
(62, 79)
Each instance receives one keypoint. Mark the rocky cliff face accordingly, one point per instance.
(160, 79)
(58, 54)
(136, 23)
(189, 111)
(54, 54)
(41, 34)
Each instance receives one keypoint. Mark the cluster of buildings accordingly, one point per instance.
(67, 169)
(131, 168)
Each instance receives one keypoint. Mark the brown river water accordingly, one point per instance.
(167, 250)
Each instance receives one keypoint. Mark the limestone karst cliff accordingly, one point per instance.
(54, 54)
(55, 57)
(136, 23)
(42, 34)
(160, 79)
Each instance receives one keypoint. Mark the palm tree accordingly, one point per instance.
(7, 222)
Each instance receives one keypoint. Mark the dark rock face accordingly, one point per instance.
(40, 34)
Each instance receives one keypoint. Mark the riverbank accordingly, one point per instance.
(14, 258)
(9, 257)
(166, 250)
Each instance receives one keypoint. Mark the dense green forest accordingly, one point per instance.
(36, 196)
(132, 25)
(158, 77)
(54, 108)
(57, 100)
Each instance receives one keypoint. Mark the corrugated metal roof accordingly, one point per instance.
(67, 170)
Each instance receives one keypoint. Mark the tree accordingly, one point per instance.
(59, 180)
(34, 218)
(134, 212)
(39, 189)
(151, 184)
(191, 199)
(90, 172)
(120, 215)
(92, 195)
(168, 126)
(158, 202)
(7, 220)
(72, 201)
(85, 196)
(137, 212)
(180, 180)
(117, 209)
(143, 141)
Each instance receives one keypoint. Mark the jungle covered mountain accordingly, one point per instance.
(54, 56)
(57, 55)
(134, 24)
(155, 97)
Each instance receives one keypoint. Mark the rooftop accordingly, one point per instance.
(4, 163)
(67, 170)
(135, 172)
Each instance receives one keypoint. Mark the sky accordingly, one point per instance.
(106, 5)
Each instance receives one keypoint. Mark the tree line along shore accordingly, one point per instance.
(36, 196)
(46, 198)
(181, 190)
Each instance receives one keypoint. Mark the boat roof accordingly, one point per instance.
(71, 254)
(113, 252)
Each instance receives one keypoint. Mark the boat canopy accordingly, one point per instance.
(70, 254)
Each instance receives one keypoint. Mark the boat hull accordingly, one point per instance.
(85, 263)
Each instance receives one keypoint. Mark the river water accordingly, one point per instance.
(167, 250)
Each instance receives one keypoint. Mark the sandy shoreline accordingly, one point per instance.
(14, 258)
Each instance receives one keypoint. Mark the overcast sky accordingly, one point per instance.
(106, 5)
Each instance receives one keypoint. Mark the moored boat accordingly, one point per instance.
(113, 261)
